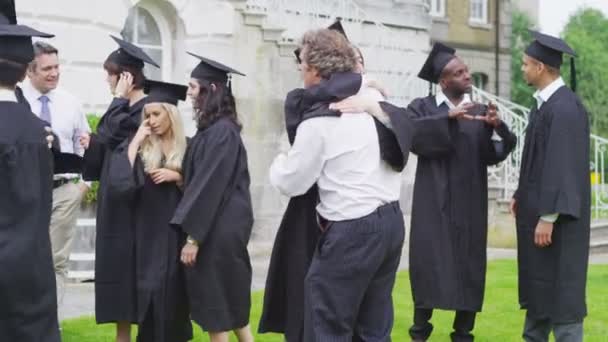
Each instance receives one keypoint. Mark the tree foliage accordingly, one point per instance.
(587, 33)
(521, 93)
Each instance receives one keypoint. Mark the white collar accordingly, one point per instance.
(7, 95)
(441, 98)
(543, 96)
(35, 93)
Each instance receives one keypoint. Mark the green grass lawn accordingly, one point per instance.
(501, 319)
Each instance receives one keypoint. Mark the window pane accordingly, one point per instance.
(151, 71)
(147, 29)
(128, 32)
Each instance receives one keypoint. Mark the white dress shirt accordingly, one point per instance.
(441, 98)
(7, 95)
(542, 96)
(67, 118)
(342, 155)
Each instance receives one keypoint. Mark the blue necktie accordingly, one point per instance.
(45, 112)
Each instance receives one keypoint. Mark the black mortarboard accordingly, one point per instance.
(7, 10)
(336, 26)
(129, 54)
(439, 57)
(16, 40)
(549, 50)
(211, 70)
(164, 92)
(67, 163)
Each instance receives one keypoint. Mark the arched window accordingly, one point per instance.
(480, 80)
(142, 30)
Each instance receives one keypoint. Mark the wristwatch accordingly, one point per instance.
(191, 241)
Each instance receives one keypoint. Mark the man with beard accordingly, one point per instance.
(448, 238)
(552, 202)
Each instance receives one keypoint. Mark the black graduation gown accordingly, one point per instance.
(115, 298)
(162, 304)
(450, 205)
(299, 232)
(21, 98)
(216, 211)
(28, 300)
(554, 178)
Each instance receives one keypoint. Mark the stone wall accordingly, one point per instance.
(227, 31)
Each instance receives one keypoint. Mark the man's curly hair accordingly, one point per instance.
(328, 52)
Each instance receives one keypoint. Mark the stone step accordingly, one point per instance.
(599, 246)
(599, 231)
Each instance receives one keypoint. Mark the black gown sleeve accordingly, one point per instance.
(565, 162)
(432, 138)
(92, 161)
(495, 151)
(214, 160)
(395, 144)
(123, 178)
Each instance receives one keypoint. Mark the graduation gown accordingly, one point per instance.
(28, 309)
(216, 211)
(162, 304)
(115, 298)
(299, 232)
(554, 178)
(450, 205)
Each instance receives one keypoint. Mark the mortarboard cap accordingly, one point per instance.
(129, 54)
(16, 40)
(164, 92)
(336, 26)
(211, 70)
(549, 50)
(439, 57)
(8, 15)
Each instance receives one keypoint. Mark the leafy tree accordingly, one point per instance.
(521, 92)
(587, 33)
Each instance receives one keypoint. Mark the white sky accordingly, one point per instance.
(554, 14)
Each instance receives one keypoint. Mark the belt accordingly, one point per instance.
(63, 181)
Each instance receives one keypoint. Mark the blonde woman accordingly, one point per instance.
(148, 169)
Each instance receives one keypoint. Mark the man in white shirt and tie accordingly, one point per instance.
(63, 112)
(349, 283)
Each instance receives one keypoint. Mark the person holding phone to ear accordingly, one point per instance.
(115, 300)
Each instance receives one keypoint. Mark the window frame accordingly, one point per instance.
(437, 12)
(166, 41)
(484, 12)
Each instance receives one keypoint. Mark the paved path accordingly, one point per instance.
(79, 299)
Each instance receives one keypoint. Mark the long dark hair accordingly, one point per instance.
(212, 105)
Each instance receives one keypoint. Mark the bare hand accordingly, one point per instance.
(143, 132)
(513, 207)
(461, 112)
(491, 117)
(376, 85)
(543, 233)
(85, 140)
(124, 85)
(84, 188)
(49, 137)
(165, 176)
(189, 253)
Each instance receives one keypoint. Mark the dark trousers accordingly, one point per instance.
(464, 322)
(348, 288)
(538, 330)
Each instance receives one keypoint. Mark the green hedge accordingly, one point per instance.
(91, 196)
